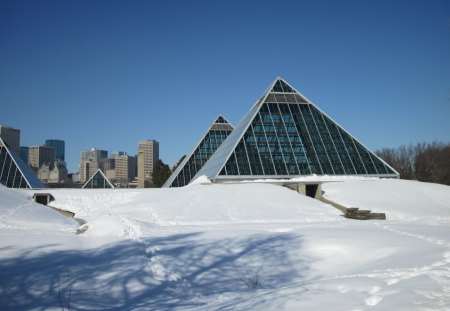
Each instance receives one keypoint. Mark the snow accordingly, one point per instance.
(204, 246)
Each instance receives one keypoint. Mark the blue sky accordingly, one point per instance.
(108, 74)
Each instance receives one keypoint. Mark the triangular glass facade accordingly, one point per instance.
(98, 181)
(188, 168)
(14, 173)
(285, 135)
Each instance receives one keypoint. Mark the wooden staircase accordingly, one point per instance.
(361, 214)
(355, 212)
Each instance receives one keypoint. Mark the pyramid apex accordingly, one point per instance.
(221, 120)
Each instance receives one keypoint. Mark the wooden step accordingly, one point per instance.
(356, 213)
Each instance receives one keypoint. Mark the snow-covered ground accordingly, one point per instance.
(227, 247)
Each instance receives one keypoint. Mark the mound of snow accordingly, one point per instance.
(201, 180)
(400, 199)
(197, 204)
(18, 211)
(197, 248)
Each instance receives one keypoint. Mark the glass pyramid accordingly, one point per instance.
(14, 173)
(98, 181)
(285, 135)
(188, 168)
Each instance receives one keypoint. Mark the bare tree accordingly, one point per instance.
(429, 162)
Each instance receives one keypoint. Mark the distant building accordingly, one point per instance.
(94, 154)
(59, 146)
(125, 168)
(87, 169)
(38, 155)
(148, 154)
(59, 174)
(111, 174)
(75, 177)
(107, 164)
(114, 154)
(90, 162)
(11, 137)
(43, 173)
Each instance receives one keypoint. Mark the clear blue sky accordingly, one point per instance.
(108, 74)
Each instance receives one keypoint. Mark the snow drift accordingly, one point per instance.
(204, 247)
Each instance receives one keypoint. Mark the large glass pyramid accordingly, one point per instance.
(14, 173)
(98, 181)
(188, 168)
(285, 135)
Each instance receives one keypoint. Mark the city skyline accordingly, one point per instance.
(108, 74)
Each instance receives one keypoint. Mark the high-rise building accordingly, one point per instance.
(90, 162)
(59, 146)
(114, 154)
(285, 135)
(11, 137)
(107, 164)
(87, 169)
(38, 155)
(59, 174)
(94, 155)
(188, 168)
(148, 154)
(125, 168)
(14, 173)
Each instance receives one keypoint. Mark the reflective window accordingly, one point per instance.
(216, 135)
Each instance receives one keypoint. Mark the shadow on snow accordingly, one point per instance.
(172, 272)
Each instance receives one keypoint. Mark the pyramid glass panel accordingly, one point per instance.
(14, 173)
(285, 135)
(98, 181)
(188, 168)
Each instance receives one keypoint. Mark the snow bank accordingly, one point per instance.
(198, 247)
(19, 212)
(401, 200)
(116, 212)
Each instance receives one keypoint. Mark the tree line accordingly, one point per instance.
(428, 162)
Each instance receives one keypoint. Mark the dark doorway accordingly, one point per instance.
(43, 198)
(311, 190)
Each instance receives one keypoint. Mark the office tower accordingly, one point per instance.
(94, 155)
(148, 154)
(59, 174)
(90, 162)
(107, 164)
(60, 148)
(11, 137)
(285, 135)
(14, 173)
(38, 155)
(125, 168)
(114, 154)
(211, 140)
